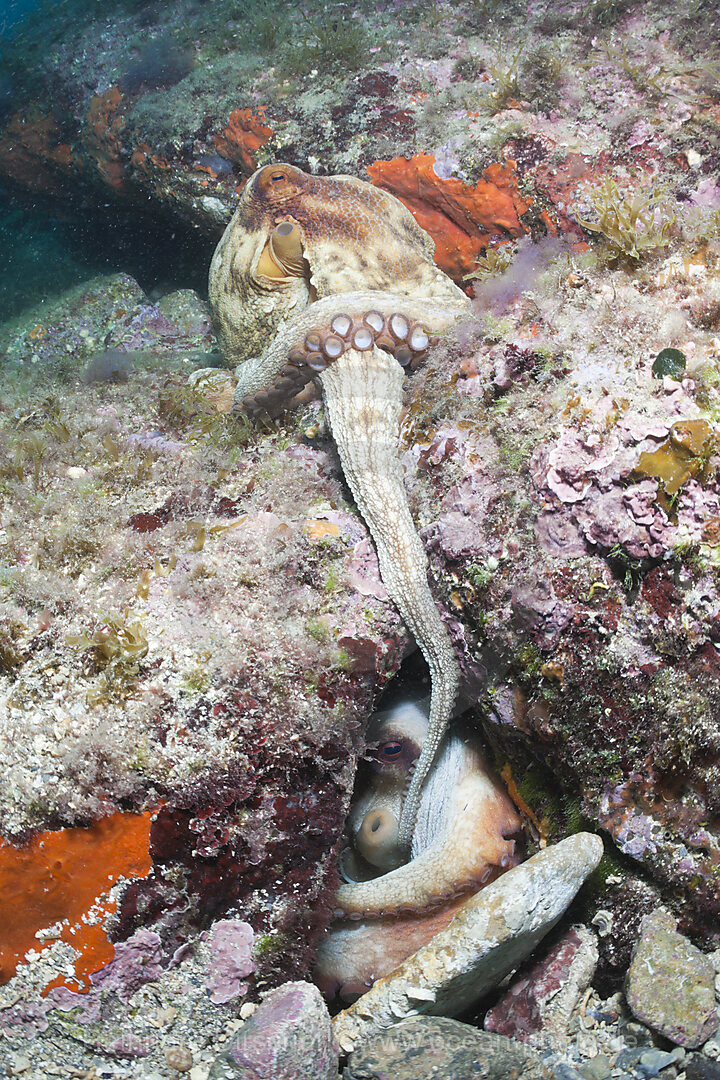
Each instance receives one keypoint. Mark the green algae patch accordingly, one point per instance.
(633, 222)
(684, 455)
(669, 362)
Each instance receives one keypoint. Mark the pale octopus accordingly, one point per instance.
(463, 839)
(331, 279)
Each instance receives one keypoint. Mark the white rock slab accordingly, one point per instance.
(490, 935)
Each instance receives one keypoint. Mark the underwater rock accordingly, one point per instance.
(160, 61)
(671, 984)
(186, 311)
(106, 316)
(422, 1047)
(538, 1004)
(288, 1037)
(489, 936)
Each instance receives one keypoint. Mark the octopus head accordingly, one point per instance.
(297, 238)
(395, 742)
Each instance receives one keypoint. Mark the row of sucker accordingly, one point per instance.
(407, 341)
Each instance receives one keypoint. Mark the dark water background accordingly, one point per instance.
(46, 247)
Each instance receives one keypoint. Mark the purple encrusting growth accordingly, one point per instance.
(137, 961)
(231, 959)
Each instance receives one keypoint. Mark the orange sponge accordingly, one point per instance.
(460, 218)
(63, 878)
(244, 134)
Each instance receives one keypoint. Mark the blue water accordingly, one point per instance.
(13, 13)
(47, 245)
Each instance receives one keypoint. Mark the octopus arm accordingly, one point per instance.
(261, 373)
(354, 954)
(474, 850)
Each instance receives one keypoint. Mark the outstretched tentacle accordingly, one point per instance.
(470, 855)
(363, 397)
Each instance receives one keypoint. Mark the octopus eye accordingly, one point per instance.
(277, 176)
(389, 751)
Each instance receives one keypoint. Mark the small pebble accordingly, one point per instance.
(711, 1049)
(652, 1061)
(179, 1058)
(564, 1072)
(627, 1058)
(598, 1068)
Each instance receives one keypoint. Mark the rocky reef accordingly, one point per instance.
(193, 628)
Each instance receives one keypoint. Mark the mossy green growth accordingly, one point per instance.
(343, 661)
(634, 223)
(496, 329)
(529, 661)
(118, 645)
(317, 629)
(196, 681)
(268, 945)
(604, 12)
(332, 579)
(515, 451)
(479, 575)
(506, 76)
(494, 262)
(538, 790)
(331, 43)
(542, 73)
(574, 821)
(140, 761)
(627, 569)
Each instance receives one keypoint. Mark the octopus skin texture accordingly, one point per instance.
(464, 838)
(329, 280)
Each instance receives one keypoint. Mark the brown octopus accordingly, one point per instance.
(331, 280)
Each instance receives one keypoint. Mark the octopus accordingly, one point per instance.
(330, 281)
(464, 837)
